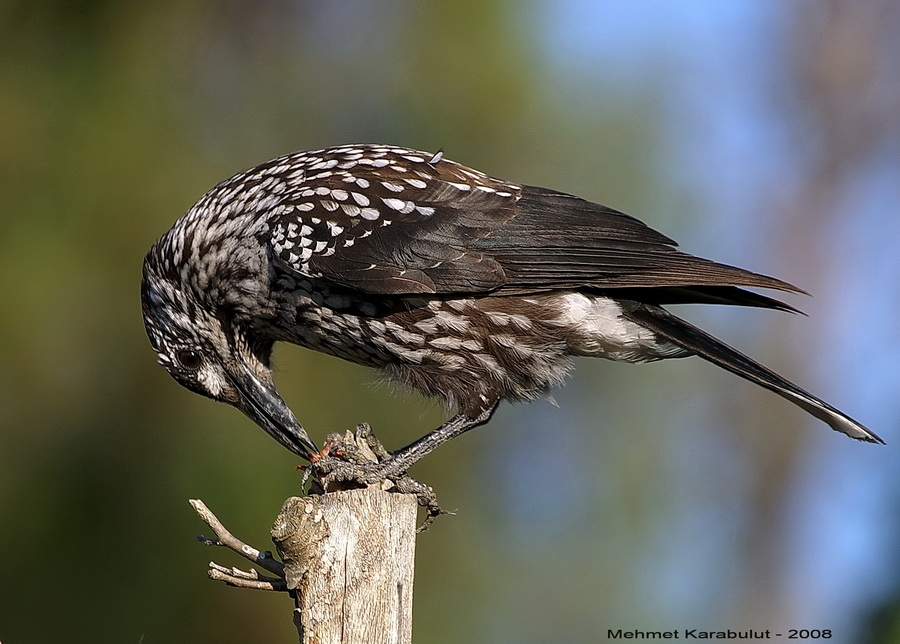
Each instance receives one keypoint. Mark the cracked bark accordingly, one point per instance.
(348, 563)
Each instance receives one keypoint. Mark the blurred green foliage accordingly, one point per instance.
(114, 118)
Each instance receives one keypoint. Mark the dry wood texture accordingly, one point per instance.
(349, 560)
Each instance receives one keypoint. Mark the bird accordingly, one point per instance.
(464, 287)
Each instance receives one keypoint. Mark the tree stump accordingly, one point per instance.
(348, 562)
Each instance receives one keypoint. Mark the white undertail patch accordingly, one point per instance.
(598, 329)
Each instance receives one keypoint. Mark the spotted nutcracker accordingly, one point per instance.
(464, 287)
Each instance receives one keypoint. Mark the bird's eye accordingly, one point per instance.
(189, 359)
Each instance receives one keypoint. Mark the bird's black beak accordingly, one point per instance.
(264, 405)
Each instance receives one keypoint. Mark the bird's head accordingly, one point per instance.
(204, 349)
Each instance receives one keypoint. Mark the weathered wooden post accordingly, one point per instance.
(347, 557)
(348, 560)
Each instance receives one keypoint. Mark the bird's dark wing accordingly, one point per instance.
(394, 222)
(560, 240)
(400, 222)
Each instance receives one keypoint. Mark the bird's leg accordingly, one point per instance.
(393, 466)
(401, 460)
(363, 460)
(354, 457)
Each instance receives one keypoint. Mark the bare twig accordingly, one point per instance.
(235, 576)
(243, 574)
(245, 578)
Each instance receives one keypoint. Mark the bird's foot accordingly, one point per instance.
(358, 459)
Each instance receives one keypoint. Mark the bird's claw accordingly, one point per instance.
(358, 459)
(327, 449)
(352, 458)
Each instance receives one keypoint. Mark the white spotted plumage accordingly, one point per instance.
(460, 285)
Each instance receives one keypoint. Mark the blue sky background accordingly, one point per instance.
(729, 118)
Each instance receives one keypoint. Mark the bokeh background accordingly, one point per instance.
(761, 133)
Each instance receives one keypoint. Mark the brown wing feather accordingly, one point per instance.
(561, 241)
(408, 223)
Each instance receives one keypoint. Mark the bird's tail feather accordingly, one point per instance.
(698, 342)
